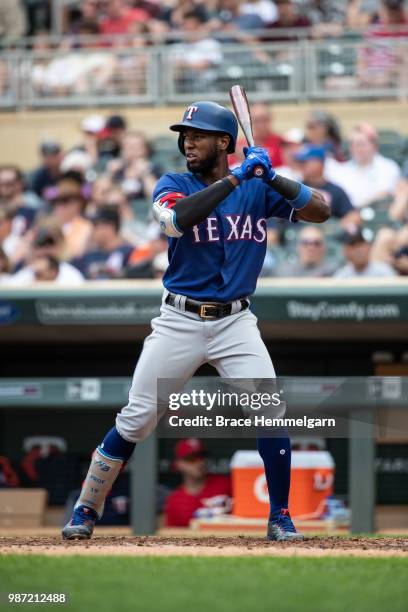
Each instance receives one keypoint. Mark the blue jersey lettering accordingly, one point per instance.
(221, 258)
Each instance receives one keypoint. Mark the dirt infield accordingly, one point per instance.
(206, 546)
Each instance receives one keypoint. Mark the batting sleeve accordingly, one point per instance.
(184, 212)
(277, 206)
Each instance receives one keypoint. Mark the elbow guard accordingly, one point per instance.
(165, 215)
(168, 223)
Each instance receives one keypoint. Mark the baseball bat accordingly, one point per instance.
(242, 111)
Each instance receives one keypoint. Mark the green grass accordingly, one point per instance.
(224, 584)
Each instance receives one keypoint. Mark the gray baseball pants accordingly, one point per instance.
(179, 344)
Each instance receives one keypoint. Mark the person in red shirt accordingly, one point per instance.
(264, 136)
(199, 490)
(288, 19)
(119, 17)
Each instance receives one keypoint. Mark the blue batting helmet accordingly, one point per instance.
(209, 117)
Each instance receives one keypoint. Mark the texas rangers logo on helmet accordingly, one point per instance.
(190, 112)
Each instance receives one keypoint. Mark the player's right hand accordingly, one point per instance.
(260, 151)
(253, 161)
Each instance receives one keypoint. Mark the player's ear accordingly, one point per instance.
(223, 142)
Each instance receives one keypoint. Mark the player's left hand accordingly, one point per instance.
(261, 153)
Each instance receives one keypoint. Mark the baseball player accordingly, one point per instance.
(215, 220)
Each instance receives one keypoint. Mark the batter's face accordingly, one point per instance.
(203, 149)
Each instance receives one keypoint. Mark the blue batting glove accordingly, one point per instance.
(257, 151)
(253, 164)
(261, 152)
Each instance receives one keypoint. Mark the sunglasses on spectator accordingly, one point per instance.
(8, 183)
(65, 199)
(315, 243)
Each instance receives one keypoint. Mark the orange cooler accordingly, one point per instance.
(312, 477)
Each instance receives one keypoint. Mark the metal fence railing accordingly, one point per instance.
(367, 69)
(266, 71)
(301, 70)
(9, 81)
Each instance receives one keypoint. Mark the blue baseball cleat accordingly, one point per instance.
(81, 525)
(281, 527)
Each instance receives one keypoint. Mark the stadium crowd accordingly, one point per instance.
(85, 213)
(136, 17)
(106, 44)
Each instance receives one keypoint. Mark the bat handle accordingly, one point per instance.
(258, 170)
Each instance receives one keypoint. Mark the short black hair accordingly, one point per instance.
(72, 175)
(196, 14)
(107, 214)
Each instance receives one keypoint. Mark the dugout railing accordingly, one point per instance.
(154, 75)
(359, 398)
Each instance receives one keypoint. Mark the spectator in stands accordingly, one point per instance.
(38, 16)
(357, 252)
(45, 268)
(141, 262)
(133, 69)
(195, 57)
(183, 7)
(291, 142)
(360, 13)
(13, 23)
(46, 240)
(264, 135)
(132, 230)
(388, 242)
(91, 127)
(47, 174)
(233, 15)
(323, 13)
(88, 10)
(368, 176)
(18, 215)
(76, 161)
(110, 140)
(311, 256)
(265, 9)
(399, 208)
(108, 256)
(199, 490)
(322, 129)
(134, 171)
(5, 267)
(119, 16)
(68, 203)
(400, 261)
(392, 18)
(100, 189)
(72, 73)
(381, 63)
(9, 239)
(311, 159)
(288, 18)
(13, 190)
